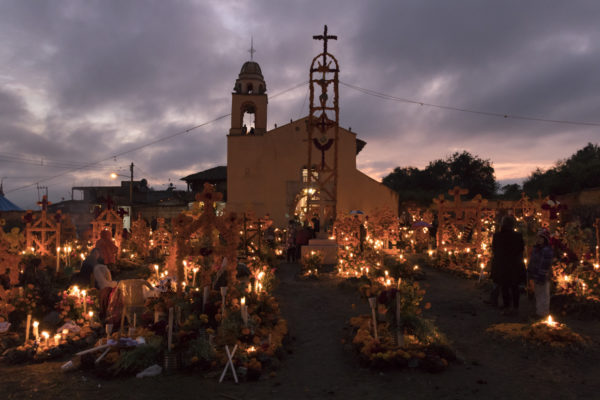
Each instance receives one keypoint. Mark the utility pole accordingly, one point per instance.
(131, 188)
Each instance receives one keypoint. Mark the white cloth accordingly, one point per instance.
(542, 299)
(103, 277)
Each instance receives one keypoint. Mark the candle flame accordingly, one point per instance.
(550, 322)
(243, 300)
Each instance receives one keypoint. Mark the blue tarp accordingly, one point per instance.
(7, 205)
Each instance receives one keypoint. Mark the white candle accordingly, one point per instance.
(83, 294)
(65, 333)
(194, 280)
(57, 339)
(244, 310)
(156, 269)
(36, 332)
(46, 336)
(27, 326)
(57, 259)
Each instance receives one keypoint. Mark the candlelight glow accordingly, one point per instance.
(243, 300)
(550, 322)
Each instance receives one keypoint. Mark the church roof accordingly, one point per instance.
(251, 69)
(212, 174)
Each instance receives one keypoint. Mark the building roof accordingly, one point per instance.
(251, 69)
(7, 205)
(210, 175)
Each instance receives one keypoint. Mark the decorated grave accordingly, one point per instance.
(547, 332)
(191, 305)
(394, 334)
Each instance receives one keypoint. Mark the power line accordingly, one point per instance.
(151, 143)
(465, 110)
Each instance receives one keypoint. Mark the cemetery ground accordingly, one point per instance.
(321, 364)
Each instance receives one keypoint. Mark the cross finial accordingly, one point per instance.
(44, 203)
(252, 50)
(325, 37)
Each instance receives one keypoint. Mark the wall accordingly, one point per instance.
(264, 173)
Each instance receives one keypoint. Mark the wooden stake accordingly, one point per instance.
(170, 337)
(27, 325)
(373, 304)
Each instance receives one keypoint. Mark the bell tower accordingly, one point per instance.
(249, 97)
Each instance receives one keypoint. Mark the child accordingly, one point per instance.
(540, 270)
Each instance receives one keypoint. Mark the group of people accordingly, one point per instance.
(508, 270)
(298, 235)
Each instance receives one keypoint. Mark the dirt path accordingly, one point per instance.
(320, 366)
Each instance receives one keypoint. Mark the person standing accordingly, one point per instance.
(540, 270)
(291, 242)
(509, 268)
(84, 276)
(107, 249)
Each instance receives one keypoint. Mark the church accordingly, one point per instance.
(306, 168)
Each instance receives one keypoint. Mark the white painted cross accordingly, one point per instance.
(229, 364)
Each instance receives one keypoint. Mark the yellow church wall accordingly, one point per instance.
(264, 173)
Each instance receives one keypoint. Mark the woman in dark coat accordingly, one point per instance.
(508, 268)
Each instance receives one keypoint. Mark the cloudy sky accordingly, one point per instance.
(87, 81)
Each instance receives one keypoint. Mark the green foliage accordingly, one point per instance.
(312, 261)
(136, 360)
(511, 191)
(460, 169)
(578, 172)
(201, 349)
(424, 329)
(230, 328)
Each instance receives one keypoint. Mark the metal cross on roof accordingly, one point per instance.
(252, 50)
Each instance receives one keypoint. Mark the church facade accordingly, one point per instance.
(288, 171)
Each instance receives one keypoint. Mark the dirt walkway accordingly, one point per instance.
(320, 366)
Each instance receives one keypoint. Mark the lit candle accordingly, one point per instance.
(90, 315)
(46, 336)
(57, 339)
(65, 333)
(194, 280)
(156, 269)
(83, 294)
(244, 310)
(36, 332)
(57, 259)
(550, 322)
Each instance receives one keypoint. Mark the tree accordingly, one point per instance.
(580, 171)
(512, 191)
(460, 169)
